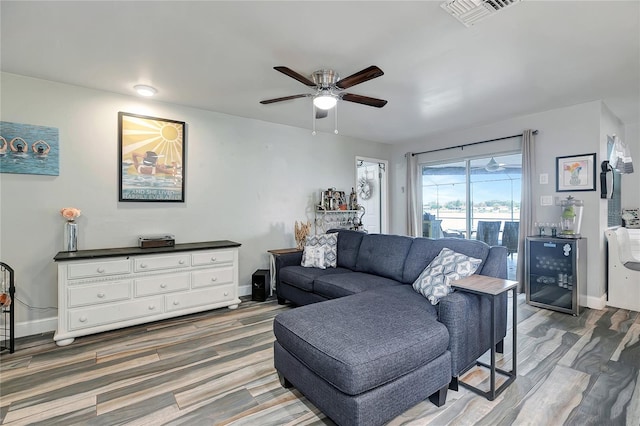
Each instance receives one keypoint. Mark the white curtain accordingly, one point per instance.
(413, 212)
(527, 202)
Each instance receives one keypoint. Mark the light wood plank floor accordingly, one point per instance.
(216, 368)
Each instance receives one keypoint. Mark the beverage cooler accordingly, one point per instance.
(556, 273)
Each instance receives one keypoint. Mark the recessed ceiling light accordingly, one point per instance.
(145, 90)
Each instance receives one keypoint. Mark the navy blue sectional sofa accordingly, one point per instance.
(375, 347)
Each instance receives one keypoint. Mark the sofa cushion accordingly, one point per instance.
(320, 251)
(362, 341)
(383, 255)
(302, 278)
(424, 250)
(348, 246)
(435, 281)
(340, 285)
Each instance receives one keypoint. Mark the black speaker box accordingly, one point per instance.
(260, 282)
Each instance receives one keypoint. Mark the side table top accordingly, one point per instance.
(484, 284)
(284, 251)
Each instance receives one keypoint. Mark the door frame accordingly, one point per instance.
(384, 189)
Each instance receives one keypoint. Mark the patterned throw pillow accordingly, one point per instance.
(435, 281)
(323, 246)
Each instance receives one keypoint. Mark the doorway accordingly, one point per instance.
(371, 188)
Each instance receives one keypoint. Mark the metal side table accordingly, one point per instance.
(492, 287)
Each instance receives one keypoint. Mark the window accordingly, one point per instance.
(457, 196)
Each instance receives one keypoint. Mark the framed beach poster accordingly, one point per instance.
(151, 158)
(576, 173)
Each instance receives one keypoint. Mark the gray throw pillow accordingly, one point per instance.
(320, 250)
(435, 281)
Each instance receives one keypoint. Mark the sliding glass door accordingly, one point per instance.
(474, 198)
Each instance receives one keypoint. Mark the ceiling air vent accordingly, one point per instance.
(471, 11)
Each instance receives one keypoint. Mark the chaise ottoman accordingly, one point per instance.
(366, 358)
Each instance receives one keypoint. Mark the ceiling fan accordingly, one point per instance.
(494, 166)
(329, 88)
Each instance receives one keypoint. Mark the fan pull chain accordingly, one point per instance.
(335, 130)
(313, 117)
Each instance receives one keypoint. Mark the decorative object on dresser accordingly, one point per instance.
(301, 230)
(70, 214)
(151, 241)
(107, 289)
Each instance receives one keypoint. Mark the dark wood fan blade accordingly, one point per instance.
(365, 100)
(291, 73)
(321, 113)
(360, 77)
(286, 98)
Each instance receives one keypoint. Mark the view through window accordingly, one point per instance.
(476, 198)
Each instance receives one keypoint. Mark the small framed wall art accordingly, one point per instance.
(151, 158)
(29, 149)
(576, 173)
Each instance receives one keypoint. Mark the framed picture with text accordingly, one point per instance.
(151, 159)
(576, 173)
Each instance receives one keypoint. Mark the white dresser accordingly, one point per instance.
(100, 290)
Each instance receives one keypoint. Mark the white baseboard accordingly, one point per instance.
(29, 328)
(594, 302)
(244, 290)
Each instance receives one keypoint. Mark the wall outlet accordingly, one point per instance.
(546, 200)
(544, 178)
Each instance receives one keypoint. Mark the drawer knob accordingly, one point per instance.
(213, 259)
(214, 279)
(83, 319)
(163, 285)
(143, 265)
(101, 295)
(176, 303)
(181, 261)
(151, 307)
(100, 270)
(226, 293)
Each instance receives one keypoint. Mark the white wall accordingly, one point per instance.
(631, 182)
(246, 181)
(578, 129)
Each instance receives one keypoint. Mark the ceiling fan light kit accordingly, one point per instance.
(325, 101)
(330, 89)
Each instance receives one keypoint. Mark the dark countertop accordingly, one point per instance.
(130, 251)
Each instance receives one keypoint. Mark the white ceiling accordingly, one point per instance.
(439, 75)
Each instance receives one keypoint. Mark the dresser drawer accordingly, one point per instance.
(100, 293)
(151, 263)
(214, 276)
(114, 313)
(159, 284)
(99, 268)
(212, 257)
(195, 298)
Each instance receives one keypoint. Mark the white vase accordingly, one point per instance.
(71, 236)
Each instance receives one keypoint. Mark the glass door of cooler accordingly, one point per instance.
(551, 274)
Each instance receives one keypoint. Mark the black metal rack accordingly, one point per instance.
(7, 299)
